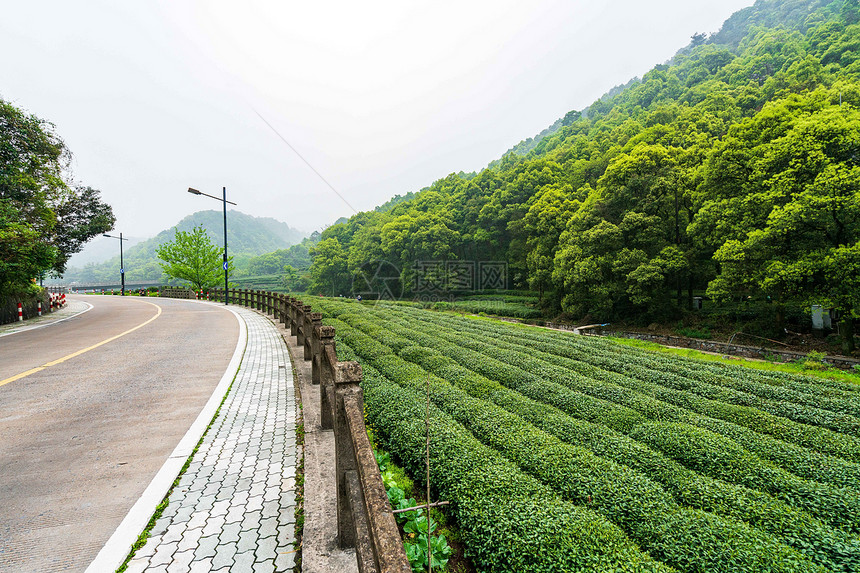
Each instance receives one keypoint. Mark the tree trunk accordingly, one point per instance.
(846, 331)
(690, 290)
(780, 317)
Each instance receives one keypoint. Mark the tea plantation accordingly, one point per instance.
(567, 453)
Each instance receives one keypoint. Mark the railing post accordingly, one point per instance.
(347, 378)
(283, 300)
(313, 320)
(322, 373)
(294, 317)
(302, 311)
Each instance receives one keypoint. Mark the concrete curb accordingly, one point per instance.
(118, 546)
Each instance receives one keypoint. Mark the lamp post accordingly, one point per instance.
(121, 265)
(224, 200)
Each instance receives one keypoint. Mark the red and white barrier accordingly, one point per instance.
(20, 312)
(39, 308)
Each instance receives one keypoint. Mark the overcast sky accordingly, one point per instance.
(380, 98)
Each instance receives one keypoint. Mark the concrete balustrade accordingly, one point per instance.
(365, 520)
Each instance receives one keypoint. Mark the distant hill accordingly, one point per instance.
(101, 249)
(247, 237)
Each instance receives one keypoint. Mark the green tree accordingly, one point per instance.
(192, 257)
(23, 255)
(45, 219)
(329, 273)
(801, 216)
(546, 219)
(295, 280)
(850, 11)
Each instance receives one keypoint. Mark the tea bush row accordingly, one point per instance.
(510, 521)
(641, 507)
(799, 460)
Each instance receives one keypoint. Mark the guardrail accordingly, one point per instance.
(365, 520)
(174, 292)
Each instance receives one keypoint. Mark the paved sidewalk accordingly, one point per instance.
(234, 508)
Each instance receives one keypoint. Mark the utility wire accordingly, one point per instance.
(299, 155)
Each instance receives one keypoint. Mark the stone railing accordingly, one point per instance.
(365, 519)
(176, 292)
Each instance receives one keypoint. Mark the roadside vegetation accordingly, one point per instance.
(559, 451)
(45, 215)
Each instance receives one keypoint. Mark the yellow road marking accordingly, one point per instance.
(79, 352)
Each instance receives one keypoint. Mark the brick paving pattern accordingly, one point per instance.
(234, 508)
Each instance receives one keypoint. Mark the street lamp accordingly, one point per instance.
(223, 199)
(121, 265)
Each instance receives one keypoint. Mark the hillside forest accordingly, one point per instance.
(730, 172)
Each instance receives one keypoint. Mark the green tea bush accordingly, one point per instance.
(503, 386)
(797, 459)
(630, 500)
(836, 550)
(510, 521)
(695, 448)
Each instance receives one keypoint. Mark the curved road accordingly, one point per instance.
(82, 438)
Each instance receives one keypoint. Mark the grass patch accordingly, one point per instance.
(768, 366)
(300, 495)
(300, 477)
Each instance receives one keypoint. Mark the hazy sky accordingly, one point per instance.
(380, 98)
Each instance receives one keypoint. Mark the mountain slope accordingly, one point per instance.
(247, 236)
(733, 169)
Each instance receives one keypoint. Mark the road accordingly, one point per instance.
(82, 438)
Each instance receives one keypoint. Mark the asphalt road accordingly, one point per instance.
(82, 438)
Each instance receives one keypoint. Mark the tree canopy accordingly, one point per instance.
(44, 217)
(192, 257)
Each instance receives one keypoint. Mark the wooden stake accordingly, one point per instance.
(427, 425)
